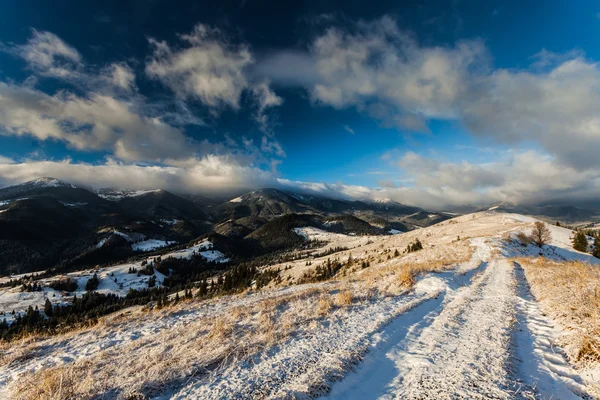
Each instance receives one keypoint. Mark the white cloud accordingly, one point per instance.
(48, 55)
(523, 178)
(383, 71)
(209, 69)
(209, 174)
(348, 129)
(95, 122)
(265, 99)
(6, 160)
(121, 75)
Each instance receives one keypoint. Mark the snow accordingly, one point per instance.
(543, 366)
(473, 331)
(7, 202)
(236, 200)
(395, 231)
(51, 182)
(14, 299)
(117, 195)
(151, 244)
(493, 208)
(203, 248)
(311, 233)
(169, 221)
(77, 204)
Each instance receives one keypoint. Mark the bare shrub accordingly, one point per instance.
(407, 277)
(323, 306)
(344, 298)
(540, 234)
(524, 239)
(220, 329)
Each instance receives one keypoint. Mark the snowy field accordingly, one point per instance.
(471, 329)
(114, 279)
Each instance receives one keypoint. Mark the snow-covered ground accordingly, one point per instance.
(114, 279)
(203, 248)
(472, 330)
(150, 244)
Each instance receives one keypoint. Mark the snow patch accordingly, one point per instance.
(151, 244)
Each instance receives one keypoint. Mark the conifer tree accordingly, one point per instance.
(596, 251)
(92, 283)
(48, 308)
(580, 242)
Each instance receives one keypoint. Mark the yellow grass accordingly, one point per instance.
(570, 293)
(344, 298)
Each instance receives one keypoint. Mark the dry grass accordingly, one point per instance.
(344, 298)
(173, 355)
(323, 306)
(570, 293)
(407, 277)
(53, 384)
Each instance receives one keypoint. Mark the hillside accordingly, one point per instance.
(458, 316)
(47, 223)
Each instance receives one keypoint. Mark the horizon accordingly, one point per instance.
(438, 106)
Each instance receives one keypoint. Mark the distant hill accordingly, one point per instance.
(47, 222)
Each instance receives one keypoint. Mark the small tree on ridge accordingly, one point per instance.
(540, 235)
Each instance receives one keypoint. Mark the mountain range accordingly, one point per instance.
(49, 223)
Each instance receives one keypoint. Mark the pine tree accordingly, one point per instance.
(48, 308)
(92, 283)
(580, 242)
(596, 251)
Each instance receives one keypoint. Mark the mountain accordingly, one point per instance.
(550, 212)
(266, 204)
(161, 204)
(49, 223)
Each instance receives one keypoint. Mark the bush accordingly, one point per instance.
(540, 234)
(66, 285)
(92, 283)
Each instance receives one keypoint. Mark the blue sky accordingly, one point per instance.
(440, 104)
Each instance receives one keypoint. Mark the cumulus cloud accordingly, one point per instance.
(522, 178)
(121, 75)
(557, 109)
(95, 122)
(212, 70)
(265, 99)
(208, 69)
(48, 55)
(383, 71)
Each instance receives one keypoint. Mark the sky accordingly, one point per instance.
(443, 105)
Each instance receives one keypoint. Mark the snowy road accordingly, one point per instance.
(488, 340)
